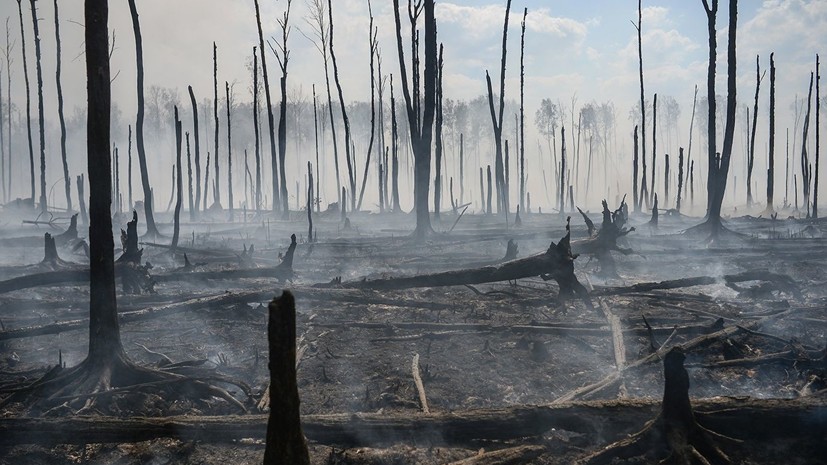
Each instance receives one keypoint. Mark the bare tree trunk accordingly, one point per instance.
(635, 161)
(691, 127)
(818, 122)
(395, 154)
(151, 229)
(461, 170)
(217, 182)
(67, 181)
(28, 98)
(373, 46)
(348, 149)
(563, 171)
(643, 190)
(229, 150)
(522, 114)
(40, 117)
(680, 180)
(129, 167)
(488, 198)
(751, 159)
(806, 167)
(654, 144)
(3, 191)
(438, 142)
(197, 154)
(283, 62)
(82, 201)
(666, 180)
(771, 161)
(9, 103)
(179, 192)
(206, 179)
(497, 121)
(189, 180)
(270, 119)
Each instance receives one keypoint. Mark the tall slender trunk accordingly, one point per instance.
(643, 189)
(179, 181)
(488, 197)
(255, 131)
(3, 191)
(270, 119)
(461, 170)
(522, 115)
(771, 161)
(151, 228)
(283, 62)
(497, 120)
(317, 199)
(438, 139)
(680, 180)
(654, 145)
(9, 104)
(129, 166)
(372, 42)
(348, 150)
(217, 175)
(229, 150)
(189, 180)
(691, 128)
(751, 158)
(395, 154)
(197, 138)
(806, 167)
(635, 162)
(562, 196)
(818, 141)
(28, 99)
(67, 181)
(40, 117)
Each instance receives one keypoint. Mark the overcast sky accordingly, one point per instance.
(587, 48)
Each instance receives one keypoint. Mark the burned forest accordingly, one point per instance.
(401, 232)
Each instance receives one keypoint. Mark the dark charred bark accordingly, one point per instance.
(129, 167)
(562, 182)
(497, 120)
(40, 117)
(818, 140)
(373, 47)
(256, 130)
(488, 198)
(751, 159)
(635, 162)
(179, 192)
(283, 62)
(438, 146)
(270, 119)
(28, 97)
(345, 120)
(680, 180)
(395, 154)
(806, 166)
(666, 178)
(149, 218)
(285, 439)
(522, 113)
(82, 200)
(309, 202)
(318, 199)
(67, 181)
(691, 128)
(229, 150)
(217, 174)
(461, 169)
(191, 200)
(603, 242)
(639, 27)
(197, 139)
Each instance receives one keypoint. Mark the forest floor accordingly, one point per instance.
(488, 346)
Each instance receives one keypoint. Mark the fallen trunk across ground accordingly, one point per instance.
(754, 419)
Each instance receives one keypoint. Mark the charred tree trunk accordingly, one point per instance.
(751, 159)
(179, 192)
(643, 190)
(818, 122)
(563, 171)
(522, 114)
(229, 150)
(318, 193)
(654, 145)
(151, 228)
(8, 99)
(256, 131)
(421, 129)
(680, 180)
(635, 162)
(345, 120)
(283, 62)
(373, 45)
(67, 181)
(197, 153)
(438, 139)
(40, 117)
(190, 198)
(771, 161)
(488, 199)
(310, 198)
(806, 167)
(497, 120)
(129, 167)
(461, 169)
(666, 179)
(217, 174)
(28, 97)
(82, 201)
(285, 439)
(270, 119)
(395, 154)
(691, 127)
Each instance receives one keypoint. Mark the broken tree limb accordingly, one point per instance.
(602, 243)
(555, 263)
(420, 388)
(757, 418)
(617, 343)
(781, 282)
(510, 456)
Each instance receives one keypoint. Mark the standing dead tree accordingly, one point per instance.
(373, 45)
(421, 129)
(806, 166)
(639, 28)
(497, 120)
(438, 146)
(691, 128)
(229, 149)
(191, 200)
(9, 106)
(256, 131)
(28, 97)
(635, 162)
(151, 228)
(394, 154)
(345, 120)
(270, 119)
(67, 181)
(771, 162)
(194, 213)
(179, 193)
(818, 121)
(751, 159)
(522, 114)
(217, 182)
(283, 56)
(680, 180)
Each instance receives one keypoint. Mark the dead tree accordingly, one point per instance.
(771, 162)
(229, 149)
(317, 200)
(675, 435)
(639, 27)
(345, 120)
(179, 197)
(680, 180)
(691, 127)
(438, 146)
(270, 119)
(654, 145)
(3, 170)
(129, 165)
(751, 159)
(151, 228)
(40, 116)
(217, 182)
(309, 202)
(818, 120)
(461, 169)
(563, 171)
(806, 167)
(497, 121)
(421, 126)
(283, 57)
(522, 114)
(67, 181)
(197, 138)
(28, 96)
(82, 200)
(601, 243)
(395, 154)
(635, 163)
(256, 131)
(490, 189)
(373, 45)
(8, 99)
(191, 200)
(285, 439)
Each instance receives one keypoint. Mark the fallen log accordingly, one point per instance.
(755, 418)
(511, 456)
(782, 282)
(555, 263)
